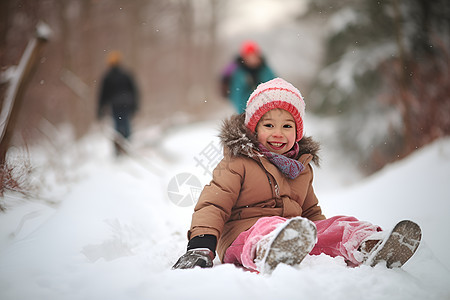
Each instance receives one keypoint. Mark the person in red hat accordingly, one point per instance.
(245, 74)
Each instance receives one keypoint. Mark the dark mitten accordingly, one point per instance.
(201, 257)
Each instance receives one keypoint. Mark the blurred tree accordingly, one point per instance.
(168, 45)
(386, 73)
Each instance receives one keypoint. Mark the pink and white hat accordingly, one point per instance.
(276, 93)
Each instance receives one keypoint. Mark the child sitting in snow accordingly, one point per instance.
(260, 208)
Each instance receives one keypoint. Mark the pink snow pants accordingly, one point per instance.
(337, 236)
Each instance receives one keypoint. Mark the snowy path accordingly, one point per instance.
(115, 234)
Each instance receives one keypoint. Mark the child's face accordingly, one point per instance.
(276, 131)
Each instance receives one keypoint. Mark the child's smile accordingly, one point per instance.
(276, 131)
(276, 146)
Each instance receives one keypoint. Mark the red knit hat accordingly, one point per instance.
(276, 93)
(249, 47)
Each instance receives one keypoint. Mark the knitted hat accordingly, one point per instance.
(114, 58)
(276, 93)
(249, 47)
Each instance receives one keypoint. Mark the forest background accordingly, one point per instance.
(380, 69)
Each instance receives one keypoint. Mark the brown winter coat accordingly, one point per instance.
(246, 186)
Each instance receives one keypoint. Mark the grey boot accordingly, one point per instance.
(398, 247)
(288, 244)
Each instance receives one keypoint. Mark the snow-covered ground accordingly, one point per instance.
(116, 233)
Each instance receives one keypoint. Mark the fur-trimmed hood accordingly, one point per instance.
(237, 140)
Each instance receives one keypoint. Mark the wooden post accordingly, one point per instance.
(17, 84)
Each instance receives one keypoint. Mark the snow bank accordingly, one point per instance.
(116, 234)
(415, 188)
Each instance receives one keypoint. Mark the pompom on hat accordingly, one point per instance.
(276, 93)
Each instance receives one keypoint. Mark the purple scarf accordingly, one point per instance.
(284, 162)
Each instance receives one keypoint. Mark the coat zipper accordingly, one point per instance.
(275, 185)
(277, 192)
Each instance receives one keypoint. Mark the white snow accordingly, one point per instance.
(115, 234)
(252, 16)
(43, 31)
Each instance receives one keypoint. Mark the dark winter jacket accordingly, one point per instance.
(119, 91)
(246, 187)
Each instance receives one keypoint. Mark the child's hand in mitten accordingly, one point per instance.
(201, 257)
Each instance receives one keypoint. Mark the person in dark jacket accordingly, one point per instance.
(119, 93)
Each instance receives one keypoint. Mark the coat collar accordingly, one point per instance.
(237, 140)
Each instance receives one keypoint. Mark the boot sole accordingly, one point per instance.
(399, 247)
(291, 244)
